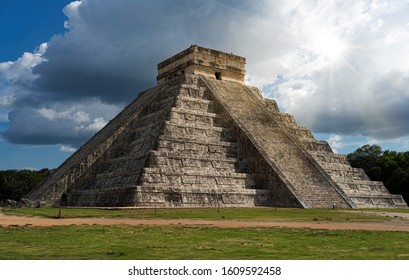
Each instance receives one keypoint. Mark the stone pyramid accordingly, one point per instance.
(202, 138)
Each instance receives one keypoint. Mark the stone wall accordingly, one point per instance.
(202, 138)
(205, 62)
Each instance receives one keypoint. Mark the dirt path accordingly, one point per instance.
(401, 223)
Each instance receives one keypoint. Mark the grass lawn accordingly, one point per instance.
(255, 214)
(200, 242)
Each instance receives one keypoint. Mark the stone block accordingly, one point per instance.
(202, 138)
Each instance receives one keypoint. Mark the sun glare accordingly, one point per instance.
(329, 46)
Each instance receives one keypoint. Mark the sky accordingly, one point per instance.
(68, 67)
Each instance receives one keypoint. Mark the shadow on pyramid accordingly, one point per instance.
(202, 138)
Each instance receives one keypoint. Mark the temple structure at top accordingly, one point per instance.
(205, 62)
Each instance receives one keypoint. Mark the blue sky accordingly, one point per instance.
(24, 25)
(67, 67)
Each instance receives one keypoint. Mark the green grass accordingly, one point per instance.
(198, 242)
(255, 214)
(395, 210)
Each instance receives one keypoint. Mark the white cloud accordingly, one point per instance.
(6, 100)
(67, 149)
(21, 69)
(335, 141)
(96, 124)
(345, 95)
(341, 67)
(73, 113)
(397, 35)
(67, 124)
(71, 11)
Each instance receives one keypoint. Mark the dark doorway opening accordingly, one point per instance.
(218, 75)
(64, 200)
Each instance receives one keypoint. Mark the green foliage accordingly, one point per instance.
(390, 167)
(16, 183)
(366, 156)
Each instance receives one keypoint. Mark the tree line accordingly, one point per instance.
(390, 167)
(16, 183)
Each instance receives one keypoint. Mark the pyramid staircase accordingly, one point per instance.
(201, 138)
(197, 161)
(176, 152)
(363, 192)
(307, 181)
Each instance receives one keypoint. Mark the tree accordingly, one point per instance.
(390, 167)
(16, 183)
(365, 157)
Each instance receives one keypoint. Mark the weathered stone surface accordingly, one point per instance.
(205, 62)
(27, 202)
(201, 138)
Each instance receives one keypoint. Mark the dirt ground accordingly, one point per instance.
(399, 222)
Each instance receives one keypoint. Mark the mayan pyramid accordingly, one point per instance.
(202, 138)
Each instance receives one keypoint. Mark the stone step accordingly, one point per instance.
(216, 189)
(199, 148)
(200, 126)
(302, 133)
(359, 192)
(158, 105)
(162, 157)
(363, 183)
(112, 196)
(336, 166)
(117, 173)
(369, 187)
(183, 110)
(195, 104)
(179, 179)
(194, 91)
(214, 169)
(346, 174)
(129, 157)
(272, 105)
(322, 197)
(197, 154)
(124, 164)
(197, 171)
(387, 201)
(181, 115)
(125, 179)
(148, 121)
(327, 157)
(191, 197)
(190, 162)
(286, 119)
(167, 142)
(188, 132)
(317, 146)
